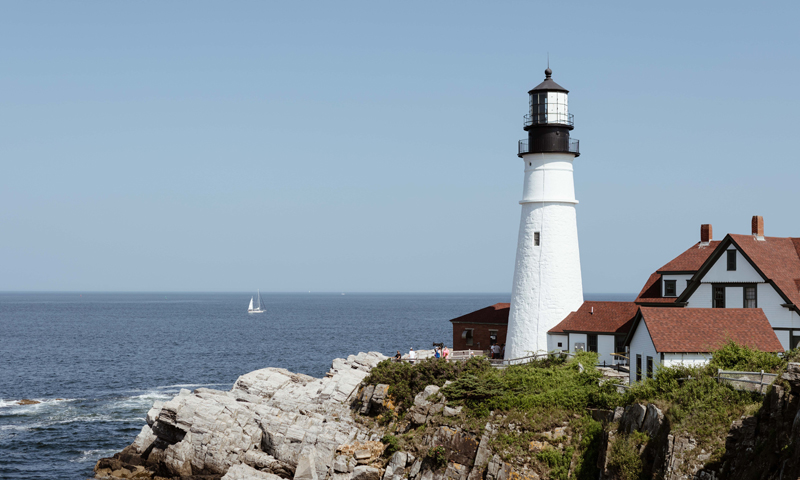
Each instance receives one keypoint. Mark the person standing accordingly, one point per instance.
(437, 353)
(446, 353)
(398, 357)
(412, 356)
(495, 351)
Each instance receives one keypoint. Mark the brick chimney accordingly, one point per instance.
(705, 234)
(758, 227)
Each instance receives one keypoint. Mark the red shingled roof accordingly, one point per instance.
(692, 259)
(689, 261)
(601, 317)
(651, 293)
(699, 330)
(497, 313)
(778, 258)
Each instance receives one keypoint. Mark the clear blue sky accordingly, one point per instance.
(371, 146)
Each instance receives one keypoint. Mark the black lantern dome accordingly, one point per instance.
(548, 121)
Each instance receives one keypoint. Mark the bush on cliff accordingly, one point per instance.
(406, 380)
(694, 401)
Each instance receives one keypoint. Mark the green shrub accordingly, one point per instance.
(557, 461)
(733, 356)
(437, 457)
(624, 456)
(392, 445)
(406, 380)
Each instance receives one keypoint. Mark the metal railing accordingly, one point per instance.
(542, 119)
(747, 381)
(567, 145)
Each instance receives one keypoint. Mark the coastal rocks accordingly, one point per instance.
(27, 401)
(246, 472)
(428, 402)
(273, 422)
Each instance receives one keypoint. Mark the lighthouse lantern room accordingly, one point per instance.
(547, 274)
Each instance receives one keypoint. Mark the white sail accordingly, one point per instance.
(250, 308)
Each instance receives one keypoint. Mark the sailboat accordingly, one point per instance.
(259, 306)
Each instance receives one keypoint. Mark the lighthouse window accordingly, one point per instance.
(535, 239)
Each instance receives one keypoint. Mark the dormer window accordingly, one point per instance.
(670, 288)
(731, 260)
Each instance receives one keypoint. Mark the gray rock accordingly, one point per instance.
(342, 464)
(306, 468)
(364, 472)
(415, 468)
(653, 420)
(483, 454)
(152, 414)
(632, 418)
(246, 472)
(452, 412)
(618, 414)
(399, 459)
(145, 438)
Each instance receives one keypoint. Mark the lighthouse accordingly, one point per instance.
(547, 273)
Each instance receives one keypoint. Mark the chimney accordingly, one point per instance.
(705, 234)
(758, 227)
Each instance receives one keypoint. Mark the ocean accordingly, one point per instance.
(96, 362)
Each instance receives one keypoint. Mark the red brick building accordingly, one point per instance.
(480, 329)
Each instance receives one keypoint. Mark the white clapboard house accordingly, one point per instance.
(744, 288)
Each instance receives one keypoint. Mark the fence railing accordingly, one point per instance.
(747, 381)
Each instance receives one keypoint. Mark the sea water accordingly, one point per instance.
(96, 362)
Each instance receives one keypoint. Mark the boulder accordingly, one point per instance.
(306, 468)
(461, 447)
(364, 472)
(653, 420)
(631, 420)
(245, 472)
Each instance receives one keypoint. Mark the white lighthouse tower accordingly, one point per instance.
(547, 274)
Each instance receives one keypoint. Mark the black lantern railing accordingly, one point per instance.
(555, 119)
(550, 145)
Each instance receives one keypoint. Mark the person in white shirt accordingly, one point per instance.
(412, 355)
(495, 351)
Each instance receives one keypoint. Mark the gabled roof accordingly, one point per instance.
(692, 259)
(497, 314)
(600, 317)
(689, 261)
(701, 330)
(776, 258)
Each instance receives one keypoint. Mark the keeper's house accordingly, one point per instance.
(482, 328)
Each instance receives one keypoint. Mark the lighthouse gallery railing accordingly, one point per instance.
(567, 145)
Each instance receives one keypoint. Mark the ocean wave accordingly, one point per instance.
(93, 455)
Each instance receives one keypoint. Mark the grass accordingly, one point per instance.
(524, 401)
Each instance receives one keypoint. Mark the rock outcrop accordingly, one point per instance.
(273, 422)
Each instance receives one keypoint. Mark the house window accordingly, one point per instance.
(467, 335)
(794, 341)
(536, 239)
(750, 296)
(559, 344)
(670, 288)
(492, 337)
(649, 367)
(591, 340)
(719, 297)
(638, 367)
(731, 260)
(619, 344)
